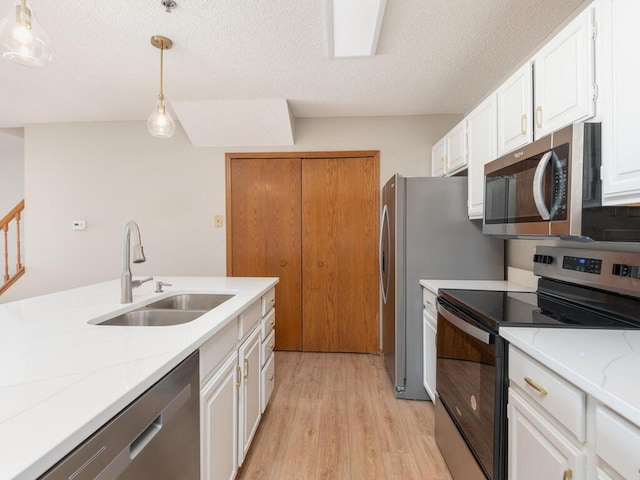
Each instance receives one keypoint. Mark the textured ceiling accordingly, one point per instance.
(434, 56)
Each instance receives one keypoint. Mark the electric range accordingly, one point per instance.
(578, 288)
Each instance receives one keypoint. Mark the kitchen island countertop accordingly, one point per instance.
(62, 378)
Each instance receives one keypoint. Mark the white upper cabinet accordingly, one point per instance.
(482, 147)
(449, 155)
(515, 100)
(456, 157)
(437, 158)
(564, 76)
(621, 116)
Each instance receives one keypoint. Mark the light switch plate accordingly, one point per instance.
(217, 221)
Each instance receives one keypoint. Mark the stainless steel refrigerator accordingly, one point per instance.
(425, 234)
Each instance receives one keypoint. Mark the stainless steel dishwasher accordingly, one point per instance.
(157, 436)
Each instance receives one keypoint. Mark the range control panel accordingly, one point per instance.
(614, 271)
(582, 264)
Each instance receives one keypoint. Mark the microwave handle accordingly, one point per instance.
(538, 195)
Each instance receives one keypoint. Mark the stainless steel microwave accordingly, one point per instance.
(552, 188)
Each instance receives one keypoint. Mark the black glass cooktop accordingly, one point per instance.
(545, 308)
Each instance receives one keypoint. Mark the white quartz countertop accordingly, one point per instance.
(61, 378)
(603, 363)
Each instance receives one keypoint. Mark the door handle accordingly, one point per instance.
(384, 267)
(538, 194)
(475, 332)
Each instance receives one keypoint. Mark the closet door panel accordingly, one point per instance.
(247, 211)
(283, 243)
(319, 254)
(357, 249)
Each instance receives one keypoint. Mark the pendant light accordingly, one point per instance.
(160, 123)
(22, 39)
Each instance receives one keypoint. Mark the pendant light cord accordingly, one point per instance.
(161, 96)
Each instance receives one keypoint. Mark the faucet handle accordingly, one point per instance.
(137, 283)
(159, 286)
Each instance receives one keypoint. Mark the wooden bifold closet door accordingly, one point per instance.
(311, 220)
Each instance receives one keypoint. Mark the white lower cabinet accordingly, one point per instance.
(218, 417)
(249, 401)
(537, 449)
(557, 431)
(429, 331)
(236, 380)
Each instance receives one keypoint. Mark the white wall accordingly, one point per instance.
(108, 173)
(11, 178)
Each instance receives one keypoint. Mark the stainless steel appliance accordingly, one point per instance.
(552, 188)
(425, 233)
(580, 288)
(157, 436)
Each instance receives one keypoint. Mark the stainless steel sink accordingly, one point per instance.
(172, 310)
(193, 301)
(154, 317)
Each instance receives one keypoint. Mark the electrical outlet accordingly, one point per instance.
(217, 220)
(78, 225)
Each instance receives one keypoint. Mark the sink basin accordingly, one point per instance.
(153, 317)
(172, 310)
(193, 301)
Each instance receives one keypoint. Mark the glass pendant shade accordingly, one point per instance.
(22, 39)
(160, 124)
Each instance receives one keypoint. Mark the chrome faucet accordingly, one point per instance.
(126, 285)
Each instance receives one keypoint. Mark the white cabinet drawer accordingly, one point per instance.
(249, 318)
(429, 301)
(559, 398)
(268, 381)
(268, 301)
(267, 347)
(214, 350)
(618, 442)
(268, 324)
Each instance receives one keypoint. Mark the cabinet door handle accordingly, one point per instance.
(535, 386)
(539, 116)
(271, 377)
(272, 300)
(523, 124)
(568, 474)
(246, 368)
(272, 323)
(271, 345)
(283, 263)
(239, 377)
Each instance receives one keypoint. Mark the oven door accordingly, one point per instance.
(470, 379)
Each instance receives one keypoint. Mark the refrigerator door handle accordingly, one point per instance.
(384, 270)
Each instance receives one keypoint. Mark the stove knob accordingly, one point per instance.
(545, 259)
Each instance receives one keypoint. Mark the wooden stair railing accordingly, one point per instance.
(14, 216)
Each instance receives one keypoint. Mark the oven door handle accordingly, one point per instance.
(475, 332)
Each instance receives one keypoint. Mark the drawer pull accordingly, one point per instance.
(271, 345)
(272, 323)
(246, 368)
(271, 377)
(428, 302)
(568, 474)
(272, 300)
(536, 387)
(239, 377)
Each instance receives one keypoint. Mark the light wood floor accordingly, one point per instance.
(334, 416)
